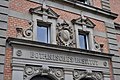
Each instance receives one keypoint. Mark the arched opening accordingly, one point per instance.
(39, 77)
(87, 79)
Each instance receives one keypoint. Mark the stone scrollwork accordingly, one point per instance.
(25, 33)
(58, 73)
(98, 47)
(65, 35)
(31, 71)
(78, 75)
(19, 53)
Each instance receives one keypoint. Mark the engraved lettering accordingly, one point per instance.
(63, 58)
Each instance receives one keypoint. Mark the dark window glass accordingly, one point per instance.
(82, 1)
(43, 34)
(87, 79)
(83, 41)
(38, 77)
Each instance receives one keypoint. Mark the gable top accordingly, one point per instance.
(83, 21)
(44, 11)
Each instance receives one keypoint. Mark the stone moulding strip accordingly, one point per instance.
(12, 41)
(89, 8)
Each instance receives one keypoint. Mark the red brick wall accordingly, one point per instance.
(118, 40)
(100, 26)
(14, 23)
(66, 15)
(97, 3)
(102, 40)
(7, 67)
(115, 7)
(22, 5)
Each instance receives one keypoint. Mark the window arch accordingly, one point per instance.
(39, 77)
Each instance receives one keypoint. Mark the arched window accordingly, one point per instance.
(39, 77)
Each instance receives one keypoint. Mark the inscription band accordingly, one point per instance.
(63, 58)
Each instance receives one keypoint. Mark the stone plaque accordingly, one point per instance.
(54, 56)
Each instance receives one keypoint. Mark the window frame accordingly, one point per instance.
(86, 35)
(51, 22)
(48, 34)
(86, 29)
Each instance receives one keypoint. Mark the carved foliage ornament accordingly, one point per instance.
(25, 33)
(31, 71)
(65, 34)
(84, 74)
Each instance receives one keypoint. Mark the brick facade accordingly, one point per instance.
(23, 6)
(15, 23)
(8, 66)
(97, 3)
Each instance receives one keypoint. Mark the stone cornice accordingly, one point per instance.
(84, 7)
(12, 41)
(94, 9)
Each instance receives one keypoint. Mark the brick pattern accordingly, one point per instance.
(22, 5)
(102, 40)
(115, 7)
(14, 23)
(99, 25)
(118, 40)
(97, 3)
(66, 15)
(111, 70)
(7, 67)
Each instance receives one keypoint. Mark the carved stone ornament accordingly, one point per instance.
(31, 71)
(78, 75)
(98, 47)
(65, 34)
(44, 11)
(25, 33)
(84, 21)
(19, 53)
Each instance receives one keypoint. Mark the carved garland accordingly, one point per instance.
(31, 71)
